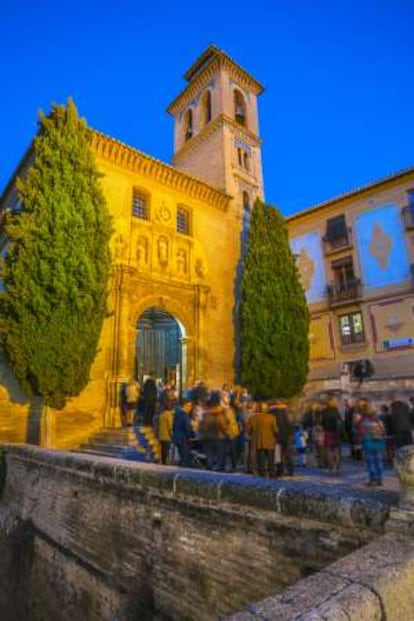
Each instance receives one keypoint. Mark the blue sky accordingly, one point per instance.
(338, 107)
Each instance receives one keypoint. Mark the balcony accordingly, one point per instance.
(408, 216)
(340, 243)
(341, 293)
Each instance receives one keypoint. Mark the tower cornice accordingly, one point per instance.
(192, 90)
(132, 159)
(205, 74)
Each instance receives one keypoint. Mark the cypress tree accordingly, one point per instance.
(274, 313)
(56, 269)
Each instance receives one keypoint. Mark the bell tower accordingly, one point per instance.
(216, 129)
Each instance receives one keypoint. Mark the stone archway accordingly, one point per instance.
(161, 347)
(167, 310)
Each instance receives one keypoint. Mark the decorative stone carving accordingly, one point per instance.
(163, 213)
(142, 251)
(121, 247)
(200, 268)
(214, 302)
(162, 250)
(182, 267)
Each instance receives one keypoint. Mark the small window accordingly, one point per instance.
(240, 156)
(183, 221)
(351, 328)
(336, 229)
(207, 114)
(239, 108)
(188, 124)
(140, 205)
(246, 161)
(246, 201)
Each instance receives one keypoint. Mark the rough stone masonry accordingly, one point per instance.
(104, 539)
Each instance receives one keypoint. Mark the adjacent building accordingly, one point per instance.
(355, 254)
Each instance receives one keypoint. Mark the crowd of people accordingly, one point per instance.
(226, 430)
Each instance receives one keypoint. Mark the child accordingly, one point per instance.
(300, 444)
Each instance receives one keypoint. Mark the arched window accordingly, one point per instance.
(239, 108)
(188, 124)
(207, 110)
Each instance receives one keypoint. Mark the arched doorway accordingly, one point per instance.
(161, 347)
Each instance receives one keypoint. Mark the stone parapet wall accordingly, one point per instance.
(117, 540)
(372, 584)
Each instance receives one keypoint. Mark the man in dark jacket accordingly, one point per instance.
(401, 423)
(181, 431)
(149, 397)
(349, 425)
(285, 433)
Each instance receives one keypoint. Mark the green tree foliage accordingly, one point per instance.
(274, 313)
(56, 269)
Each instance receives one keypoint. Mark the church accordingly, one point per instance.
(176, 246)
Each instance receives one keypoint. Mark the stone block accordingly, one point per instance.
(296, 600)
(385, 566)
(354, 603)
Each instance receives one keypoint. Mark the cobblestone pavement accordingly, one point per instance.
(352, 475)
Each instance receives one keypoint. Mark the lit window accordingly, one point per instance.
(351, 328)
(183, 221)
(140, 205)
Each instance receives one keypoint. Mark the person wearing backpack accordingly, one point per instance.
(373, 442)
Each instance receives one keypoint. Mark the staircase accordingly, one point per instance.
(132, 443)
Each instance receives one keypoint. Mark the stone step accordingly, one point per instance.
(130, 456)
(137, 443)
(113, 448)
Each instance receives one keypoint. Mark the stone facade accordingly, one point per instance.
(188, 273)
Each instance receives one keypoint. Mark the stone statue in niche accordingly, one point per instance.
(181, 262)
(162, 248)
(142, 251)
(120, 247)
(200, 268)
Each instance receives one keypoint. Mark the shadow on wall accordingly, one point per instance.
(11, 394)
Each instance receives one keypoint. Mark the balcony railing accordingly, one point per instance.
(344, 292)
(341, 243)
(408, 216)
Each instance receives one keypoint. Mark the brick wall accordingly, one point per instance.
(105, 539)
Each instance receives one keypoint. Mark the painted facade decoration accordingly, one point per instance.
(393, 325)
(309, 260)
(383, 256)
(321, 338)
